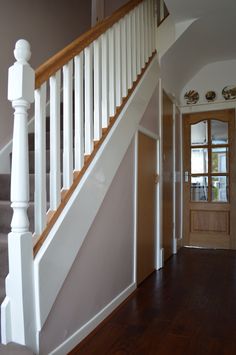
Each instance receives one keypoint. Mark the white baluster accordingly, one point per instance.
(142, 34)
(79, 111)
(88, 80)
(40, 160)
(55, 150)
(124, 57)
(162, 13)
(133, 43)
(105, 83)
(17, 310)
(111, 46)
(154, 24)
(97, 91)
(129, 52)
(146, 31)
(118, 63)
(149, 29)
(138, 40)
(67, 126)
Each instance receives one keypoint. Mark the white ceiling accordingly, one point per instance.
(211, 38)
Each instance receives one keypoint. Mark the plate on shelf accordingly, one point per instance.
(210, 96)
(191, 97)
(229, 92)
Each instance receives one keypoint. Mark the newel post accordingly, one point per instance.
(17, 311)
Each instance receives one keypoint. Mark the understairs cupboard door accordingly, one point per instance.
(147, 167)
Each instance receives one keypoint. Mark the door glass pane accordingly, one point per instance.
(219, 132)
(220, 189)
(199, 188)
(199, 161)
(199, 133)
(219, 160)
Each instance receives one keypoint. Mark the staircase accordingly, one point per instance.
(88, 87)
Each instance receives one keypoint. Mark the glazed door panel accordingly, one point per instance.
(208, 167)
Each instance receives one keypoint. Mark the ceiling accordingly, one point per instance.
(210, 38)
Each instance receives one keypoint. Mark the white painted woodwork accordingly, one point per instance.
(55, 117)
(97, 90)
(124, 57)
(161, 10)
(149, 29)
(82, 210)
(129, 52)
(17, 310)
(134, 46)
(111, 66)
(142, 34)
(40, 199)
(79, 111)
(67, 125)
(105, 83)
(98, 318)
(153, 23)
(88, 83)
(118, 69)
(138, 44)
(145, 31)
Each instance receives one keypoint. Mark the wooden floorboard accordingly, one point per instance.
(187, 308)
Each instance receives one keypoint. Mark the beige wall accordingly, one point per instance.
(48, 25)
(104, 265)
(112, 5)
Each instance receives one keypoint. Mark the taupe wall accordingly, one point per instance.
(48, 25)
(150, 117)
(104, 265)
(112, 5)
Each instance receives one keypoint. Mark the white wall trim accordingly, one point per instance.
(222, 105)
(174, 183)
(147, 132)
(159, 259)
(87, 328)
(135, 206)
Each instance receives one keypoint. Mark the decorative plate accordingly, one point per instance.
(229, 92)
(210, 96)
(191, 97)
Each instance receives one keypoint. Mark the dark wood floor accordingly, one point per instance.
(187, 308)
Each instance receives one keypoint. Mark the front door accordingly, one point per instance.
(208, 159)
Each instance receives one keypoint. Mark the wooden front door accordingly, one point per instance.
(208, 158)
(147, 158)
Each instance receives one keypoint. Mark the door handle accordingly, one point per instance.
(186, 176)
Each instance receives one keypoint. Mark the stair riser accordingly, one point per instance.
(5, 187)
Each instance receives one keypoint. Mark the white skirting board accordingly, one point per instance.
(87, 328)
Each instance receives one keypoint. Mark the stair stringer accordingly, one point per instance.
(57, 254)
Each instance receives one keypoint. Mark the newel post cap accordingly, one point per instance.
(21, 77)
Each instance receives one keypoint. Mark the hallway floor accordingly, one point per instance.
(187, 308)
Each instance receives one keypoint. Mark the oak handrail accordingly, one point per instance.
(56, 62)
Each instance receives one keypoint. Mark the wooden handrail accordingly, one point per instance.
(56, 62)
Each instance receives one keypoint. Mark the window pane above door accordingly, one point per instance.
(199, 161)
(199, 133)
(199, 188)
(219, 132)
